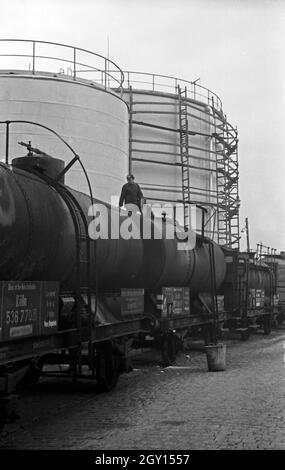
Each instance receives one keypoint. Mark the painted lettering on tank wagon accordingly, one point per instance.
(20, 309)
(132, 301)
(49, 310)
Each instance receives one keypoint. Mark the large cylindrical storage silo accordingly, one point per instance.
(87, 114)
(160, 107)
(155, 149)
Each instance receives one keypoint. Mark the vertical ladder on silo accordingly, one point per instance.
(184, 153)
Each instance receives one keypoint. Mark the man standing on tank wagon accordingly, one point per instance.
(131, 193)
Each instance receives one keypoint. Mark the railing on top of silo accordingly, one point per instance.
(45, 58)
(169, 84)
(74, 63)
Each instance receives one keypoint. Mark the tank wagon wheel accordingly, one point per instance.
(267, 324)
(168, 346)
(107, 368)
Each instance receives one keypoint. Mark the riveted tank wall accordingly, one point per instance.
(155, 152)
(93, 120)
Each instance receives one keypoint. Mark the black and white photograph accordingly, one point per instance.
(142, 229)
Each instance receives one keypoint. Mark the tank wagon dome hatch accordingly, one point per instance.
(39, 162)
(69, 90)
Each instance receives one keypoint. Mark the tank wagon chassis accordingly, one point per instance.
(87, 332)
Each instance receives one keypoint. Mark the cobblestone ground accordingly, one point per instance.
(180, 407)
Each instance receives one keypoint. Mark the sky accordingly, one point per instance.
(235, 47)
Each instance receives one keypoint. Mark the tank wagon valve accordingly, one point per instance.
(33, 150)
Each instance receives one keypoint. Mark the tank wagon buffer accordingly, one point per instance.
(68, 299)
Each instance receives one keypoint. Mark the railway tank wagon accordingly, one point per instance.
(48, 250)
(248, 293)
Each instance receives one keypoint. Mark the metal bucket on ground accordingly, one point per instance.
(216, 357)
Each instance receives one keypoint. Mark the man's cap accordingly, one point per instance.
(130, 176)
